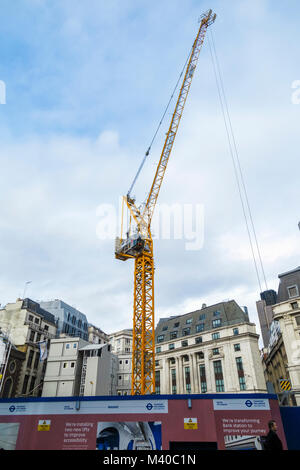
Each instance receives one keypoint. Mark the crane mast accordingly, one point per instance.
(140, 244)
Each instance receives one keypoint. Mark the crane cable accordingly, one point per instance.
(158, 127)
(235, 158)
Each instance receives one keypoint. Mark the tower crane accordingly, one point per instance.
(138, 244)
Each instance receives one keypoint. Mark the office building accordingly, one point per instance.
(265, 313)
(69, 320)
(78, 368)
(28, 325)
(121, 343)
(214, 349)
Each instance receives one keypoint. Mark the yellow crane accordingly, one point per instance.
(138, 244)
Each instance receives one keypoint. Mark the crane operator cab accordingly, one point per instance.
(132, 246)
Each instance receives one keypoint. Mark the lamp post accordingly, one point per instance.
(25, 287)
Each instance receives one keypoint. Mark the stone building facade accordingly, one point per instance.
(121, 343)
(28, 325)
(211, 350)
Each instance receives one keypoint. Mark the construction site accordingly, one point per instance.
(220, 392)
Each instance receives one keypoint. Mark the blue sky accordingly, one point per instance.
(86, 85)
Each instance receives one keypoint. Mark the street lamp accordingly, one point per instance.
(25, 287)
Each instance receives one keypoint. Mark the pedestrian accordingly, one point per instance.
(272, 441)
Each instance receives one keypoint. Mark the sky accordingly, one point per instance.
(86, 84)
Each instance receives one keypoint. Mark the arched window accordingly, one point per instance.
(7, 388)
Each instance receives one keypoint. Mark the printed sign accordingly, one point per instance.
(190, 423)
(44, 425)
(129, 435)
(242, 404)
(87, 407)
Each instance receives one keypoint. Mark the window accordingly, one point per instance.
(297, 318)
(189, 321)
(173, 334)
(165, 328)
(184, 343)
(30, 357)
(74, 345)
(241, 375)
(25, 384)
(216, 323)
(171, 346)
(7, 388)
(215, 336)
(158, 349)
(219, 376)
(200, 327)
(237, 347)
(32, 335)
(187, 379)
(200, 355)
(173, 381)
(217, 313)
(239, 363)
(157, 382)
(186, 331)
(176, 325)
(294, 305)
(198, 340)
(160, 338)
(12, 367)
(36, 361)
(202, 316)
(215, 351)
(72, 364)
(30, 317)
(235, 331)
(293, 291)
(46, 327)
(242, 383)
(65, 365)
(37, 321)
(32, 384)
(203, 378)
(67, 346)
